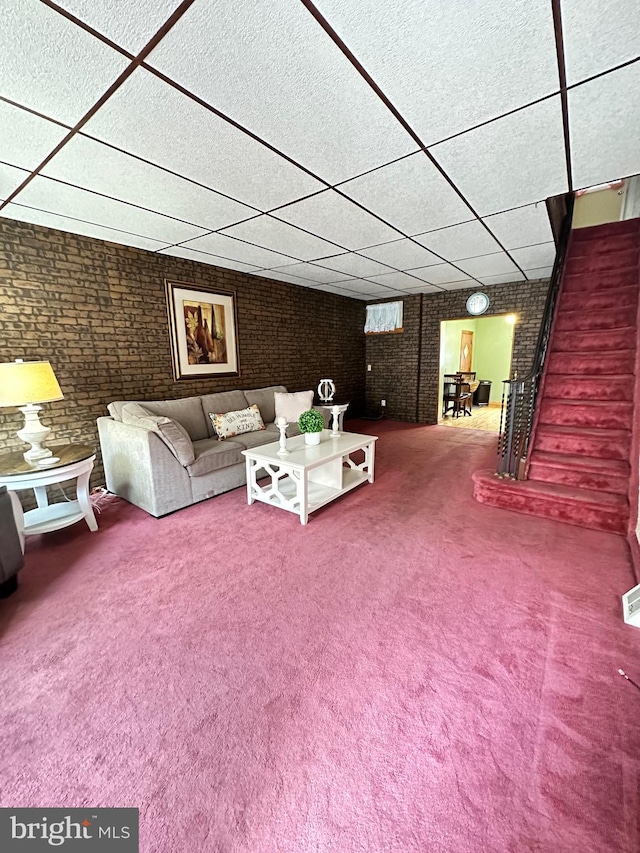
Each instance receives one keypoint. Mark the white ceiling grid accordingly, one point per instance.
(394, 147)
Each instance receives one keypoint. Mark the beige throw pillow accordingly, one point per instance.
(291, 406)
(171, 432)
(229, 424)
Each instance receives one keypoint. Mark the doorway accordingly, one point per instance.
(482, 346)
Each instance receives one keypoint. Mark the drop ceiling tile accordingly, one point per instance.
(334, 218)
(25, 140)
(439, 274)
(98, 167)
(541, 272)
(173, 131)
(129, 23)
(522, 226)
(598, 34)
(460, 241)
(339, 291)
(77, 226)
(236, 250)
(411, 194)
(390, 294)
(465, 284)
(401, 254)
(308, 90)
(281, 237)
(495, 264)
(534, 257)
(502, 279)
(51, 65)
(205, 258)
(395, 279)
(513, 161)
(10, 179)
(370, 287)
(314, 273)
(497, 54)
(64, 200)
(424, 287)
(352, 264)
(278, 275)
(604, 127)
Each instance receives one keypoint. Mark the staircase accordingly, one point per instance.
(578, 465)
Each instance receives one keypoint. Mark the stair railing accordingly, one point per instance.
(519, 395)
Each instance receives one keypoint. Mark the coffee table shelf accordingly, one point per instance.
(309, 477)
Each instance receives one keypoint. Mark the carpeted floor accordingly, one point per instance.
(413, 671)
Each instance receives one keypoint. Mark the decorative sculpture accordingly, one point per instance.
(282, 426)
(326, 390)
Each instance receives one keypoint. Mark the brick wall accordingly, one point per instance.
(97, 311)
(406, 367)
(394, 360)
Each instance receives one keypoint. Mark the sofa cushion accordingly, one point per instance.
(115, 409)
(225, 401)
(291, 406)
(212, 455)
(263, 398)
(255, 439)
(187, 412)
(170, 431)
(228, 424)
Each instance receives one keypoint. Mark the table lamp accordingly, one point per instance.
(25, 384)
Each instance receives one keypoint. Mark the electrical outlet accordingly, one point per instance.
(383, 402)
(368, 367)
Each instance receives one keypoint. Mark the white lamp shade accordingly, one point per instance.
(23, 382)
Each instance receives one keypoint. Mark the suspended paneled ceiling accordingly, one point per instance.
(361, 147)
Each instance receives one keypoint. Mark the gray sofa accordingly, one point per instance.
(11, 542)
(141, 468)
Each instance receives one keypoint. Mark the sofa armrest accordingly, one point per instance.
(140, 468)
(11, 535)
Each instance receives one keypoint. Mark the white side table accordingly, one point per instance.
(336, 410)
(76, 463)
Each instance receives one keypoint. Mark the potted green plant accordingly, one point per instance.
(311, 423)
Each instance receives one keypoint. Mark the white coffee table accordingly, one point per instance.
(310, 476)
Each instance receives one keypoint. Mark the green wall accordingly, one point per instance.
(492, 346)
(450, 343)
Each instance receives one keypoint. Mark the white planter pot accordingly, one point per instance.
(312, 437)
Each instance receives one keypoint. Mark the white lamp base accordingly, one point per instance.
(34, 433)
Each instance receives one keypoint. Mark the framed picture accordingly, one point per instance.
(202, 324)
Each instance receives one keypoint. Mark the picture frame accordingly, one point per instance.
(203, 330)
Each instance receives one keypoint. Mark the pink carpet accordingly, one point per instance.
(413, 671)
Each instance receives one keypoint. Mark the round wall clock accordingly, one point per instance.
(477, 303)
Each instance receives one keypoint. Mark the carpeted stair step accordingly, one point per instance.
(595, 339)
(583, 507)
(618, 387)
(589, 264)
(609, 229)
(613, 297)
(592, 363)
(604, 280)
(587, 441)
(580, 472)
(580, 321)
(604, 245)
(614, 414)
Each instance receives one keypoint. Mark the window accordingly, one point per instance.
(383, 317)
